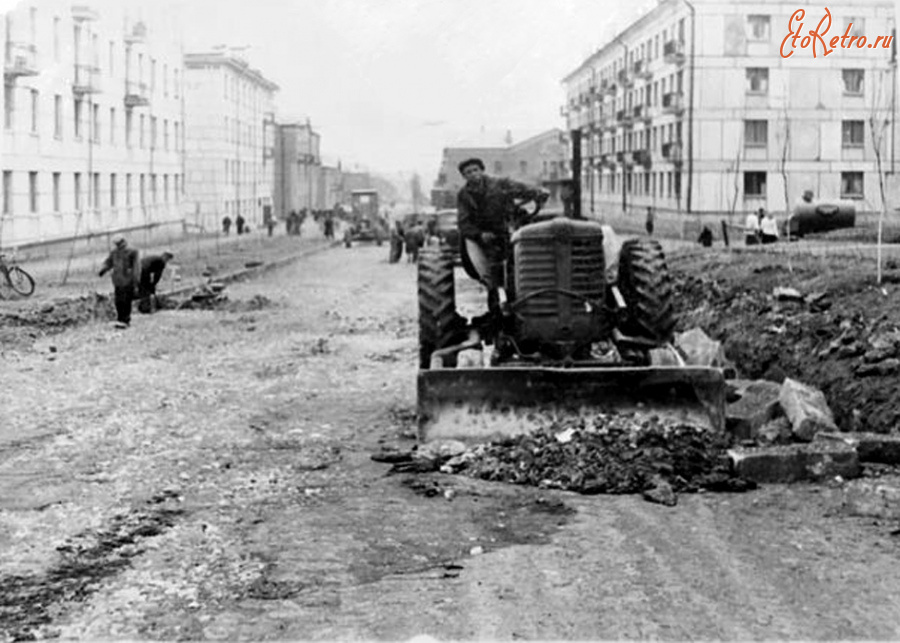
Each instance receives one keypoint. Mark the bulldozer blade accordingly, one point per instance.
(481, 404)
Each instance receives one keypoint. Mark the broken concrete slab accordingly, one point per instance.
(806, 408)
(872, 499)
(871, 447)
(787, 294)
(699, 349)
(795, 462)
(757, 405)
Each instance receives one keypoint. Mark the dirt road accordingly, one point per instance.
(207, 475)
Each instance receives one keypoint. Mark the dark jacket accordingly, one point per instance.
(124, 265)
(152, 268)
(490, 209)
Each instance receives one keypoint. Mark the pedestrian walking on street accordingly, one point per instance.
(329, 226)
(239, 223)
(152, 268)
(226, 225)
(414, 240)
(123, 261)
(648, 224)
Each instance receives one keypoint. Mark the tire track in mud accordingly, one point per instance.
(30, 603)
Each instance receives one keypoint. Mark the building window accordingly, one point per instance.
(128, 190)
(142, 132)
(57, 178)
(756, 133)
(112, 125)
(856, 24)
(175, 133)
(7, 192)
(112, 57)
(143, 194)
(166, 133)
(153, 132)
(34, 111)
(852, 133)
(175, 83)
(759, 28)
(166, 188)
(853, 81)
(56, 23)
(78, 190)
(9, 106)
(129, 122)
(757, 80)
(754, 183)
(32, 192)
(523, 167)
(851, 185)
(96, 191)
(96, 123)
(112, 190)
(57, 117)
(77, 118)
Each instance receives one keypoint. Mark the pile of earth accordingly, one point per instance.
(837, 336)
(617, 453)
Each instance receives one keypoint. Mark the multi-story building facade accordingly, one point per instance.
(298, 166)
(229, 139)
(537, 160)
(93, 124)
(706, 107)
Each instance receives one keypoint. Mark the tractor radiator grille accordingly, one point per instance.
(574, 264)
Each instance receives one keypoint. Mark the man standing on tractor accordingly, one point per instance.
(487, 206)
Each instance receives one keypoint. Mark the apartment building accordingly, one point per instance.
(535, 160)
(706, 107)
(230, 139)
(92, 121)
(298, 165)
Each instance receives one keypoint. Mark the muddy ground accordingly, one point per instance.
(207, 474)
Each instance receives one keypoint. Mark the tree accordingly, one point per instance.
(879, 127)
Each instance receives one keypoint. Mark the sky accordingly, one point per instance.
(389, 83)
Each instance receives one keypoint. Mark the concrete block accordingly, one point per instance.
(871, 447)
(806, 408)
(878, 499)
(758, 404)
(795, 462)
(699, 350)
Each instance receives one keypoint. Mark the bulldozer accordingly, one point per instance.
(574, 334)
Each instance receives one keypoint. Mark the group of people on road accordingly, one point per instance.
(133, 278)
(240, 225)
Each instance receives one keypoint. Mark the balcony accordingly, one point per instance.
(136, 94)
(641, 157)
(624, 117)
(87, 79)
(137, 34)
(625, 79)
(642, 113)
(82, 13)
(672, 152)
(21, 60)
(641, 69)
(673, 52)
(673, 102)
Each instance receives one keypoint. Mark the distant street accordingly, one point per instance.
(206, 474)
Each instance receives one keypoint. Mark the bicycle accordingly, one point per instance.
(20, 281)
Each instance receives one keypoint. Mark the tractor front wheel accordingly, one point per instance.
(439, 324)
(646, 286)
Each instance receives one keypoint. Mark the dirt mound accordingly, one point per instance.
(614, 454)
(832, 337)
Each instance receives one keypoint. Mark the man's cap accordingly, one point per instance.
(472, 161)
(118, 240)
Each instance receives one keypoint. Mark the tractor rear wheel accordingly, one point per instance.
(439, 324)
(646, 286)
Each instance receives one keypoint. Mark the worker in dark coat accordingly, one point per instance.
(123, 261)
(152, 268)
(487, 207)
